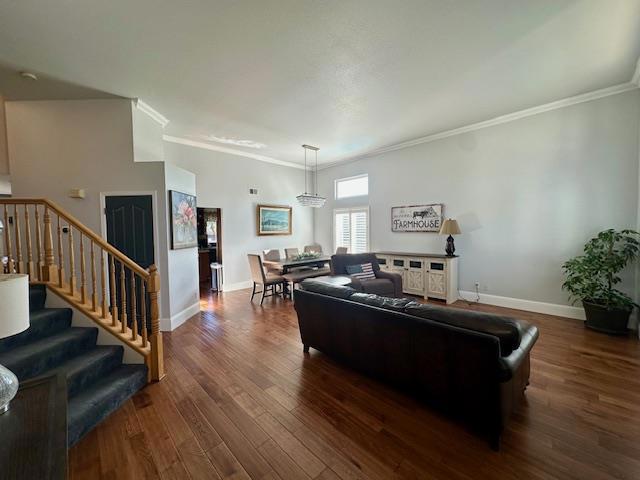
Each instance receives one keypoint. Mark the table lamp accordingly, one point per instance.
(14, 318)
(450, 227)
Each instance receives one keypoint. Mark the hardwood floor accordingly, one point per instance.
(241, 400)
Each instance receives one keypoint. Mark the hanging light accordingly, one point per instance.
(311, 199)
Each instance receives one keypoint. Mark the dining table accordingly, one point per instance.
(287, 264)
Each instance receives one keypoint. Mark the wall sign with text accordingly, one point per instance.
(417, 218)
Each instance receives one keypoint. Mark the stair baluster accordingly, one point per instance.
(123, 300)
(112, 289)
(39, 260)
(16, 230)
(134, 314)
(49, 268)
(94, 297)
(83, 276)
(143, 311)
(7, 242)
(72, 264)
(60, 256)
(27, 232)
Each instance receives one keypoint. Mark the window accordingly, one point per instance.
(352, 186)
(351, 229)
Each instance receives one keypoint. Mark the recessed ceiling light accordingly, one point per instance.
(29, 75)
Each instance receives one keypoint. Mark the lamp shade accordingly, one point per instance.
(14, 304)
(450, 227)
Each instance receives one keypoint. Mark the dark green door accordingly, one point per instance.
(130, 230)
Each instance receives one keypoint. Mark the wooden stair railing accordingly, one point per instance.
(122, 298)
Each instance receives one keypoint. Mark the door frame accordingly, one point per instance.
(154, 213)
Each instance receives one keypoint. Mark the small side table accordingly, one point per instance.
(33, 442)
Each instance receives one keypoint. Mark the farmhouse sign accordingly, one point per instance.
(417, 218)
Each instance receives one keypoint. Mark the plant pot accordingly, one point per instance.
(612, 321)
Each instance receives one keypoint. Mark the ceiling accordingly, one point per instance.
(265, 76)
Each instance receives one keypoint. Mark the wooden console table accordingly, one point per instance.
(429, 275)
(33, 432)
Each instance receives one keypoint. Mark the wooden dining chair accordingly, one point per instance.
(269, 282)
(341, 250)
(273, 255)
(315, 248)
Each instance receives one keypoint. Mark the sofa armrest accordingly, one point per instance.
(396, 278)
(510, 364)
(356, 284)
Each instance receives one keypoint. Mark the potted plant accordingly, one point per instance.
(591, 278)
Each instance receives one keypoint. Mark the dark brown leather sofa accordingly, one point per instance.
(388, 284)
(472, 365)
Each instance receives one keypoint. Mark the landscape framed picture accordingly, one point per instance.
(274, 220)
(417, 218)
(184, 223)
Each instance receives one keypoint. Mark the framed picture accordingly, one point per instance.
(274, 220)
(184, 224)
(417, 218)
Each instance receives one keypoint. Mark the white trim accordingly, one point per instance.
(156, 236)
(236, 286)
(151, 112)
(527, 305)
(170, 324)
(636, 74)
(231, 151)
(510, 117)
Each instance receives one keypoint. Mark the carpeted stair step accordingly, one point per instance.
(43, 323)
(37, 357)
(37, 297)
(97, 401)
(88, 367)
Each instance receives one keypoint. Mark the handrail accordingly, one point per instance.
(116, 299)
(80, 226)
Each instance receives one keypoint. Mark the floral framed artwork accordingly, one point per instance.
(184, 231)
(274, 220)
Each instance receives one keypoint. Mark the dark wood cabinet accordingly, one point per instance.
(33, 432)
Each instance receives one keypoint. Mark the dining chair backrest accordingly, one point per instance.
(291, 252)
(272, 254)
(257, 270)
(341, 250)
(315, 248)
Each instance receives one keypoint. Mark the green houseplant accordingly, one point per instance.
(592, 276)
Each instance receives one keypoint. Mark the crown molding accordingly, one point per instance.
(231, 151)
(510, 117)
(151, 112)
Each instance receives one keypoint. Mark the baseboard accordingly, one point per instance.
(528, 305)
(169, 324)
(236, 286)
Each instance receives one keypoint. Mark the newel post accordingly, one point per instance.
(49, 269)
(156, 361)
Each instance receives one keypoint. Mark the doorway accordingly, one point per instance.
(129, 227)
(209, 243)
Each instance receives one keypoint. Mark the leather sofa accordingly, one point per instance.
(471, 365)
(388, 284)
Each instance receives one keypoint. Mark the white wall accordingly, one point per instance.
(527, 194)
(58, 145)
(223, 181)
(182, 264)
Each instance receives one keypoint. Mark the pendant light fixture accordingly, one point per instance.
(311, 199)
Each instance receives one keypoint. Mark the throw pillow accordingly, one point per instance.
(361, 272)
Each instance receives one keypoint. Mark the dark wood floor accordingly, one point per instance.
(241, 400)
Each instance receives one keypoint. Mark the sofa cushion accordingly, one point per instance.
(388, 303)
(317, 286)
(506, 329)
(380, 286)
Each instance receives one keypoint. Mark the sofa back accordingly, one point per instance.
(340, 261)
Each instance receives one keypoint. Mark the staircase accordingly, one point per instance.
(98, 382)
(100, 282)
